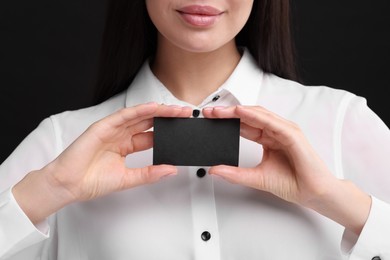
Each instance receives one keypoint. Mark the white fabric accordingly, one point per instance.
(165, 220)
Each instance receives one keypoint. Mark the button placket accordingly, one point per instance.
(204, 215)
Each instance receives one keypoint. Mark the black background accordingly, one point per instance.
(49, 49)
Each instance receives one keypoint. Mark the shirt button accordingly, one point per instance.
(206, 236)
(201, 173)
(216, 98)
(195, 113)
(376, 258)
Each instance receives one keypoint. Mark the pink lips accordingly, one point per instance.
(199, 15)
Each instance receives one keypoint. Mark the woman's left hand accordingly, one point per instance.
(290, 168)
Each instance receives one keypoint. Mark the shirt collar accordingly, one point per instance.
(244, 84)
(245, 81)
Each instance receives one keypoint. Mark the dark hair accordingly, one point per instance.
(130, 38)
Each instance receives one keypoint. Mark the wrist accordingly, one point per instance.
(344, 203)
(39, 196)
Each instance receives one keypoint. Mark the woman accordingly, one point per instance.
(313, 169)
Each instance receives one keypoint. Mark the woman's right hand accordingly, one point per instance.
(94, 164)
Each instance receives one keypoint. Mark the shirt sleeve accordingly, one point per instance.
(17, 232)
(365, 144)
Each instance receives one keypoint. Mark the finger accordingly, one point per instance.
(137, 113)
(173, 111)
(140, 126)
(164, 111)
(219, 112)
(251, 133)
(246, 131)
(258, 136)
(254, 116)
(122, 137)
(262, 118)
(244, 176)
(133, 115)
(136, 139)
(246, 113)
(141, 142)
(273, 126)
(147, 175)
(107, 132)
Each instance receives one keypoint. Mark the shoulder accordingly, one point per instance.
(298, 90)
(289, 96)
(69, 125)
(92, 114)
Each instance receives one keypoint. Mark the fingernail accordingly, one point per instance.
(219, 108)
(174, 106)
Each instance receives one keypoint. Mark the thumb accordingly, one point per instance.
(236, 175)
(147, 175)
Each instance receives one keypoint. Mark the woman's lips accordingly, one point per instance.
(199, 15)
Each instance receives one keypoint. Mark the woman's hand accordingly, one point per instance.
(291, 169)
(94, 164)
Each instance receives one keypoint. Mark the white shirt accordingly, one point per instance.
(165, 220)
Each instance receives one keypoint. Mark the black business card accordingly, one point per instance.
(196, 141)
